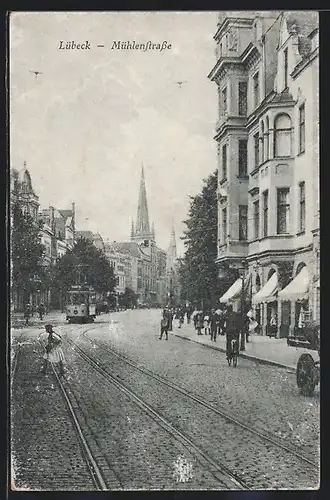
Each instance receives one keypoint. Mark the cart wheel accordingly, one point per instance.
(305, 374)
(235, 360)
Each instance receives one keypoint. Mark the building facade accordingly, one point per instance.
(268, 161)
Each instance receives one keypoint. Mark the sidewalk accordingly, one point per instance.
(262, 349)
(17, 320)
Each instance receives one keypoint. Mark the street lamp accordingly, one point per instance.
(242, 274)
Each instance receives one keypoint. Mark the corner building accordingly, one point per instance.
(268, 161)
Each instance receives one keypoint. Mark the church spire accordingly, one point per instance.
(132, 230)
(171, 253)
(172, 247)
(142, 221)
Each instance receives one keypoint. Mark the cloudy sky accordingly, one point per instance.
(88, 122)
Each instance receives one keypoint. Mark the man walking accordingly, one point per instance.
(164, 325)
(27, 313)
(214, 325)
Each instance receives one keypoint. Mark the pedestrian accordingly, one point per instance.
(199, 322)
(189, 312)
(41, 311)
(27, 313)
(164, 324)
(54, 353)
(207, 321)
(214, 325)
(194, 316)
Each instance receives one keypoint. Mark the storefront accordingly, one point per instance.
(297, 293)
(267, 299)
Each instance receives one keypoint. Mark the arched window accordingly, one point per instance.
(282, 135)
(266, 144)
(262, 144)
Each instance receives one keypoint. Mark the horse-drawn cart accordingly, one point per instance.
(308, 369)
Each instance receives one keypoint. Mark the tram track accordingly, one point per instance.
(268, 438)
(219, 471)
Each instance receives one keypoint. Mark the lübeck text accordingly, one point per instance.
(74, 46)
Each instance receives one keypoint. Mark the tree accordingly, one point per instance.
(27, 254)
(197, 269)
(129, 298)
(84, 264)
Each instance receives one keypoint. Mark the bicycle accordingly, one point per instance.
(233, 354)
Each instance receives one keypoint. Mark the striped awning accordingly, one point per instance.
(233, 292)
(297, 288)
(268, 293)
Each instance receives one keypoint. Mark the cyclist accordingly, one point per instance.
(233, 326)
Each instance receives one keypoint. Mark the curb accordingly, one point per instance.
(261, 361)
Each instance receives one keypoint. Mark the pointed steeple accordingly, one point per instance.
(171, 253)
(172, 247)
(142, 221)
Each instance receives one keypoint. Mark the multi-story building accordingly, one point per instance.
(57, 231)
(268, 164)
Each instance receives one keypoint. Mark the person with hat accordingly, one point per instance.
(54, 353)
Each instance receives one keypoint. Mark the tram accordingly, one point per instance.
(308, 368)
(81, 306)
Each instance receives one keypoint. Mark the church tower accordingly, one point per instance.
(171, 253)
(142, 233)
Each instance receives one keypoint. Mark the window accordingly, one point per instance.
(224, 100)
(256, 90)
(242, 157)
(302, 128)
(265, 214)
(256, 150)
(224, 161)
(266, 141)
(243, 219)
(242, 98)
(283, 210)
(282, 136)
(256, 219)
(224, 225)
(302, 207)
(262, 142)
(285, 68)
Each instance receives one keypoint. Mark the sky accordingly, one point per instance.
(88, 122)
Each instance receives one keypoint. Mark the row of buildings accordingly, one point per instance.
(267, 135)
(138, 264)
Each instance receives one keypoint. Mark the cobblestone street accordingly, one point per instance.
(156, 414)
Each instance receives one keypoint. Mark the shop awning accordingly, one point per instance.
(268, 292)
(297, 288)
(233, 292)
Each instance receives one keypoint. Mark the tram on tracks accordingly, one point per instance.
(308, 368)
(81, 305)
